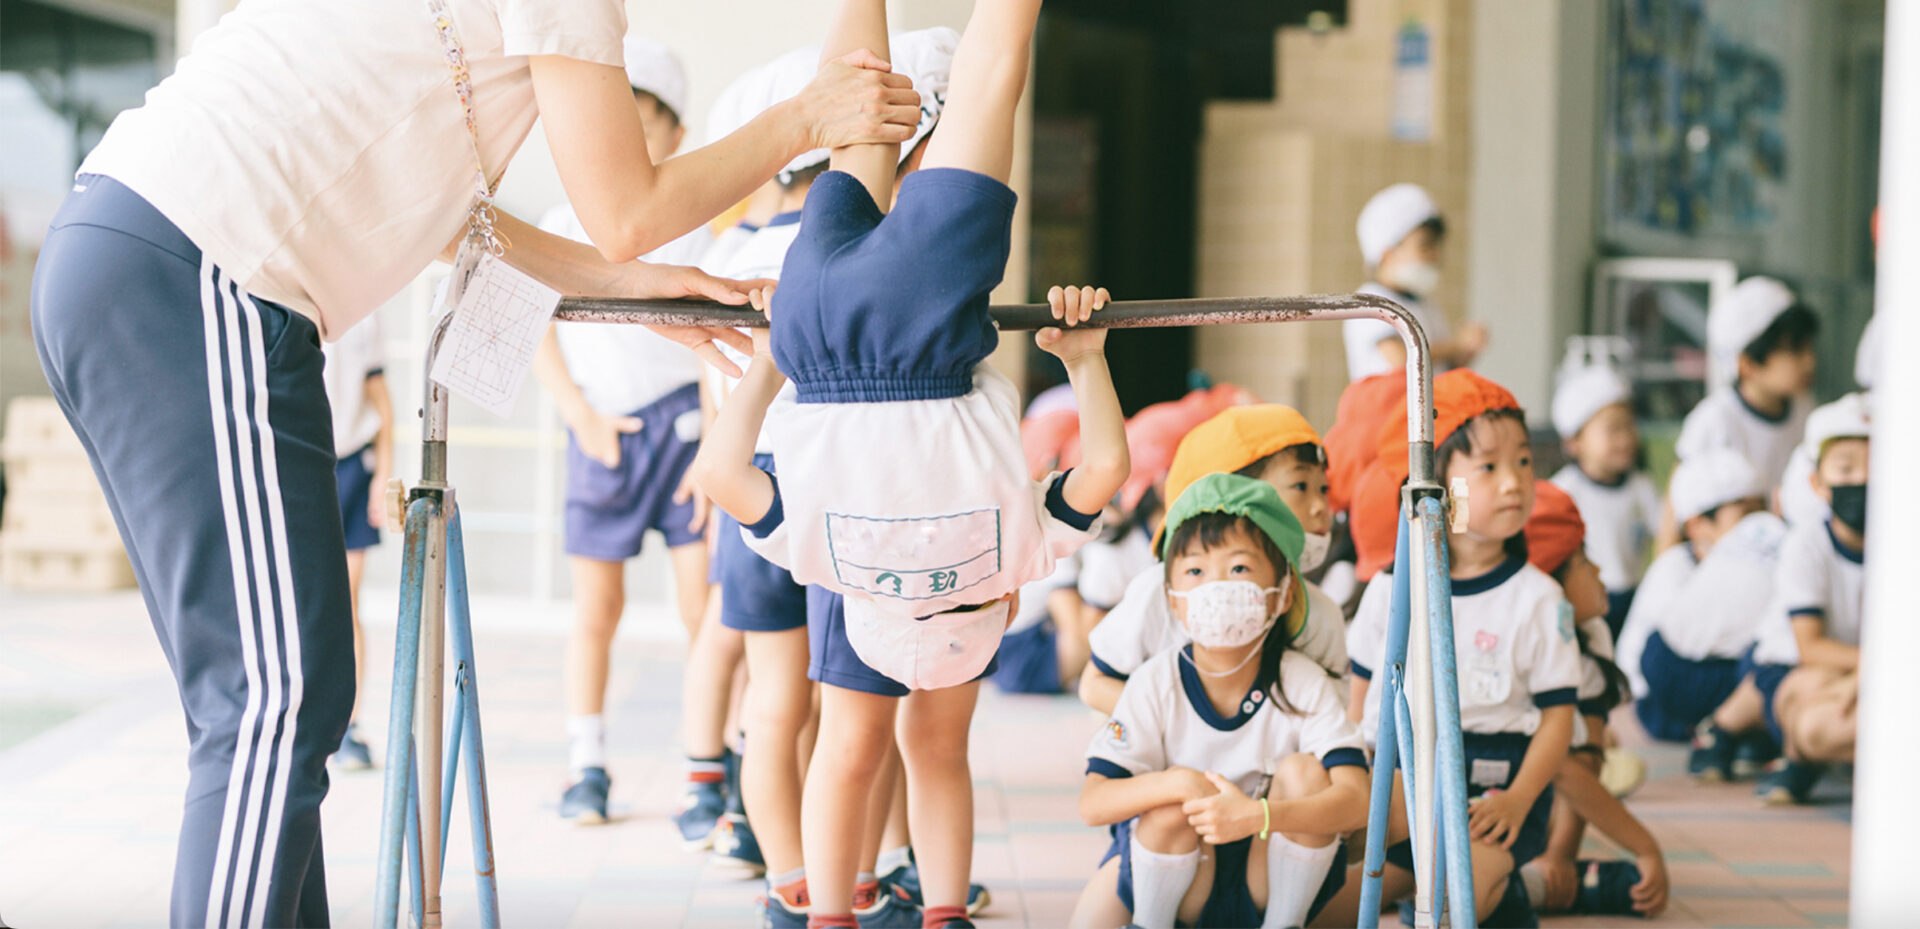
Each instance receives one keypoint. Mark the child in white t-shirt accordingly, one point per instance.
(1514, 637)
(1760, 339)
(1267, 441)
(1806, 662)
(1593, 412)
(1232, 742)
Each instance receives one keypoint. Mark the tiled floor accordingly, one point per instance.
(91, 784)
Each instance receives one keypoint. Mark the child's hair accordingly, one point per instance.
(1460, 443)
(1211, 530)
(1149, 506)
(1794, 329)
(1306, 453)
(1436, 227)
(658, 103)
(792, 180)
(1616, 687)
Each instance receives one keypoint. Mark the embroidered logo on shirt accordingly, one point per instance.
(1485, 641)
(1566, 621)
(1117, 733)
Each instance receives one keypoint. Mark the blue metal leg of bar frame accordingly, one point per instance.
(419, 895)
(1456, 857)
(466, 731)
(396, 807)
(1387, 755)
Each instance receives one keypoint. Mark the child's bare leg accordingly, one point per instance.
(1100, 906)
(899, 832)
(989, 74)
(1396, 884)
(862, 24)
(1568, 828)
(887, 784)
(707, 692)
(1284, 872)
(778, 698)
(933, 732)
(1816, 708)
(855, 730)
(1170, 876)
(690, 588)
(1492, 865)
(1741, 711)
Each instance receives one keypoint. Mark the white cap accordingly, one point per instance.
(753, 92)
(1866, 358)
(1390, 217)
(1850, 417)
(1709, 479)
(1584, 392)
(654, 68)
(925, 653)
(1735, 320)
(925, 55)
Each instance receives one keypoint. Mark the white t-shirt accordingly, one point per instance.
(953, 522)
(1143, 625)
(623, 368)
(316, 150)
(1718, 611)
(1363, 336)
(1034, 608)
(358, 355)
(1818, 578)
(1164, 720)
(747, 253)
(1599, 638)
(1658, 588)
(1513, 647)
(1724, 420)
(1799, 505)
(1620, 520)
(1107, 567)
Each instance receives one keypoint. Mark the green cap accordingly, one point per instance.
(1235, 495)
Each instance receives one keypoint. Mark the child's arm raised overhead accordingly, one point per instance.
(1104, 463)
(989, 73)
(723, 468)
(858, 25)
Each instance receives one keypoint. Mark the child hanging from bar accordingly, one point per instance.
(1233, 741)
(903, 483)
(1519, 667)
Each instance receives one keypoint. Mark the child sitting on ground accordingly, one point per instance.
(1761, 340)
(1234, 741)
(1518, 666)
(1557, 881)
(1268, 442)
(1593, 412)
(904, 485)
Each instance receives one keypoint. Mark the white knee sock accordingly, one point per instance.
(1294, 875)
(1160, 882)
(588, 738)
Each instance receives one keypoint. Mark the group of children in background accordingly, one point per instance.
(1211, 575)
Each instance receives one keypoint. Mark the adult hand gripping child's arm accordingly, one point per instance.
(1104, 463)
(724, 468)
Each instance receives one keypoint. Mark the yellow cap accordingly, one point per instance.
(1234, 439)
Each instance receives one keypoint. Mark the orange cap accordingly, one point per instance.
(1554, 530)
(1235, 438)
(1154, 433)
(1354, 440)
(1458, 396)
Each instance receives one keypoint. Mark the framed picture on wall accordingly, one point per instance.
(1658, 307)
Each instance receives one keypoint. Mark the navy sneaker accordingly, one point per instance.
(890, 909)
(585, 803)
(700, 809)
(1712, 756)
(1788, 782)
(907, 879)
(1606, 888)
(735, 847)
(1755, 752)
(776, 914)
(352, 754)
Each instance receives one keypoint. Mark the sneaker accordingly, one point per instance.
(735, 847)
(907, 879)
(352, 754)
(1788, 782)
(1755, 752)
(585, 803)
(1606, 888)
(1711, 759)
(890, 910)
(699, 812)
(776, 914)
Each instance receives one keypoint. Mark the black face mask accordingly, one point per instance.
(1850, 505)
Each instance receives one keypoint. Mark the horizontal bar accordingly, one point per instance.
(1123, 314)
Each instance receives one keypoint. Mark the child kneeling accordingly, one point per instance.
(1234, 742)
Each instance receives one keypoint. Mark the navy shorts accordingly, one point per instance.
(1767, 678)
(1029, 661)
(877, 307)
(353, 481)
(1681, 692)
(609, 510)
(834, 660)
(1230, 903)
(756, 595)
(1509, 748)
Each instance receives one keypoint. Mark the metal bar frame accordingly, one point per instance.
(1420, 726)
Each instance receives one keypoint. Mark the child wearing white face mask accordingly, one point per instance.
(1400, 232)
(1272, 443)
(1234, 741)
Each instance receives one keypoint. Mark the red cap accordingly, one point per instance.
(1353, 442)
(1555, 530)
(1154, 434)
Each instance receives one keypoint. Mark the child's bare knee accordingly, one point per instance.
(1165, 829)
(1299, 775)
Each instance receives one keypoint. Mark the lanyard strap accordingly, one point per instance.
(480, 216)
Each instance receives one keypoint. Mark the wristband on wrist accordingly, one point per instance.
(1266, 819)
